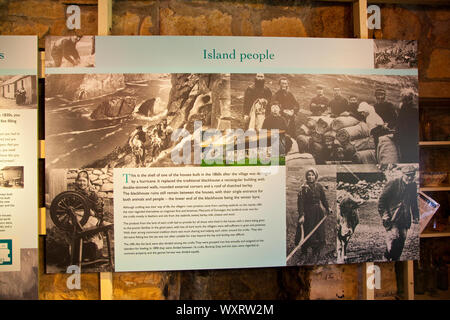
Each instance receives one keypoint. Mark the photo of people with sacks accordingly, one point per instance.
(334, 119)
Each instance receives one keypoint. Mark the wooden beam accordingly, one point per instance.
(400, 2)
(41, 64)
(106, 286)
(368, 293)
(360, 19)
(360, 31)
(42, 222)
(41, 149)
(417, 2)
(104, 29)
(104, 17)
(408, 279)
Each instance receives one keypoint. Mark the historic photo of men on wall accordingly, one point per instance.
(70, 51)
(310, 215)
(378, 215)
(79, 206)
(18, 92)
(333, 119)
(395, 54)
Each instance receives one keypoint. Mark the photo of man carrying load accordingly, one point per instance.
(70, 51)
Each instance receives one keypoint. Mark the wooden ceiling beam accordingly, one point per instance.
(407, 2)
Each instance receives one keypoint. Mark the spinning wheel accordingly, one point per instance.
(69, 211)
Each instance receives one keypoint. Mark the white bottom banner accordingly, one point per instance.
(199, 218)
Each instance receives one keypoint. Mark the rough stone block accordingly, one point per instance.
(107, 187)
(388, 285)
(440, 14)
(72, 175)
(145, 285)
(213, 22)
(37, 9)
(145, 28)
(439, 66)
(230, 284)
(102, 194)
(393, 23)
(434, 89)
(246, 25)
(440, 33)
(334, 282)
(97, 182)
(328, 21)
(127, 24)
(283, 27)
(54, 286)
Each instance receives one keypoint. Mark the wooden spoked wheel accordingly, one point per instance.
(68, 206)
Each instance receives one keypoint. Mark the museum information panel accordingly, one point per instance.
(176, 153)
(18, 167)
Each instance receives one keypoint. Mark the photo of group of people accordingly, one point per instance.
(398, 54)
(352, 214)
(323, 119)
(329, 125)
(364, 119)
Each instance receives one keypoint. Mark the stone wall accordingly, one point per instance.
(239, 18)
(101, 179)
(232, 18)
(42, 18)
(53, 286)
(428, 25)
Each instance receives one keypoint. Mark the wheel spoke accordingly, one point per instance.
(78, 206)
(64, 203)
(62, 207)
(72, 201)
(69, 206)
(66, 220)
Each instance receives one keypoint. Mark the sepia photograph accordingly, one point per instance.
(23, 284)
(98, 118)
(70, 51)
(395, 54)
(333, 119)
(127, 120)
(310, 215)
(18, 92)
(80, 220)
(12, 177)
(378, 215)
